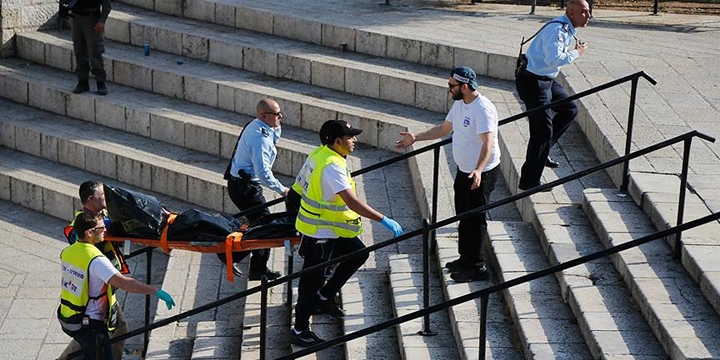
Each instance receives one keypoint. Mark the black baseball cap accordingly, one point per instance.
(465, 75)
(333, 129)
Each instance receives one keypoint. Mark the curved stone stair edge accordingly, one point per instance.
(378, 126)
(391, 83)
(374, 43)
(658, 196)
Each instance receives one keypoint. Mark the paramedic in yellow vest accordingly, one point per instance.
(329, 221)
(88, 308)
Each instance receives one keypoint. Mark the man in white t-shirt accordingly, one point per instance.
(473, 121)
(88, 308)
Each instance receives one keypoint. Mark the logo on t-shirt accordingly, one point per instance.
(466, 121)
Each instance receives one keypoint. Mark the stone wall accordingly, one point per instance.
(23, 15)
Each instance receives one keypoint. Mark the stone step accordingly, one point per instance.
(193, 279)
(611, 324)
(545, 324)
(366, 301)
(235, 90)
(363, 34)
(380, 78)
(658, 196)
(563, 231)
(157, 117)
(168, 169)
(682, 319)
(406, 282)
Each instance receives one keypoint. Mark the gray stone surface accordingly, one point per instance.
(604, 127)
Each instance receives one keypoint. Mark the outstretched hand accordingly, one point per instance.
(408, 139)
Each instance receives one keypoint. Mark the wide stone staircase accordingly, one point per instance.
(171, 119)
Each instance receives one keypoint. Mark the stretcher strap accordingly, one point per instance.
(229, 257)
(163, 237)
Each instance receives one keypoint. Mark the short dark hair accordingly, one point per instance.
(84, 222)
(88, 189)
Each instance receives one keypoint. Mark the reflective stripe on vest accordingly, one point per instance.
(74, 286)
(314, 212)
(316, 204)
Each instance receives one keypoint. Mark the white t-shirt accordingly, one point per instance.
(334, 180)
(468, 122)
(101, 270)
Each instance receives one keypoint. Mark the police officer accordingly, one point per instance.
(329, 221)
(251, 166)
(88, 310)
(88, 26)
(554, 46)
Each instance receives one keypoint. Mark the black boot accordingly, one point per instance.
(81, 87)
(101, 88)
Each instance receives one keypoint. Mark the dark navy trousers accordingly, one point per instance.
(547, 126)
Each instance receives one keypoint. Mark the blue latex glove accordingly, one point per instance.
(164, 296)
(392, 225)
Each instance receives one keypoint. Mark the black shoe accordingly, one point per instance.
(330, 307)
(468, 275)
(304, 338)
(525, 187)
(257, 275)
(81, 87)
(236, 269)
(101, 88)
(456, 265)
(550, 163)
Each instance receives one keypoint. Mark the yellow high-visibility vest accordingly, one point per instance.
(316, 213)
(74, 293)
(302, 177)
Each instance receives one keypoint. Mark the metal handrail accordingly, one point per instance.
(486, 292)
(686, 138)
(426, 230)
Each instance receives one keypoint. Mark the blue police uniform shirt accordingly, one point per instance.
(255, 154)
(552, 48)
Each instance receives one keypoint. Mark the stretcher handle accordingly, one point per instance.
(163, 237)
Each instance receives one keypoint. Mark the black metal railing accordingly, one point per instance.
(428, 229)
(485, 293)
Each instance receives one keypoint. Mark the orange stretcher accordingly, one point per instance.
(233, 243)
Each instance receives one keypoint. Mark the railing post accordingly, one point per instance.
(426, 331)
(532, 9)
(655, 7)
(433, 213)
(681, 201)
(290, 252)
(148, 280)
(483, 324)
(628, 137)
(263, 314)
